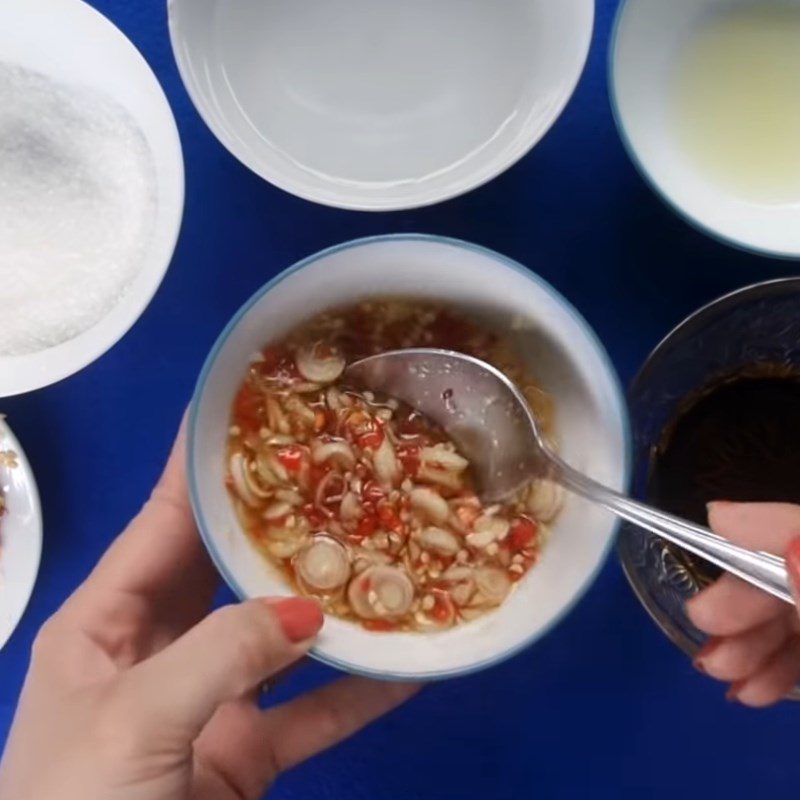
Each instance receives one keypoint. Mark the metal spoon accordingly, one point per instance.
(490, 421)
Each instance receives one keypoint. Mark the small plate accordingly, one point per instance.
(20, 535)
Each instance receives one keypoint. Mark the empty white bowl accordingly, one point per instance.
(649, 35)
(379, 104)
(74, 44)
(564, 355)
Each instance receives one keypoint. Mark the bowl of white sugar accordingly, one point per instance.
(91, 189)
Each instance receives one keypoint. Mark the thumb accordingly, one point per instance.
(226, 655)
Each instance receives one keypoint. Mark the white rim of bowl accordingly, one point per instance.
(97, 349)
(25, 465)
(619, 397)
(648, 177)
(356, 202)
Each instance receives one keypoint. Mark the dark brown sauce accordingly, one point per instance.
(738, 439)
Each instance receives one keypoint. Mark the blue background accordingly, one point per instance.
(604, 706)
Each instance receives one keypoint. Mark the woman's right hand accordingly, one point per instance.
(753, 637)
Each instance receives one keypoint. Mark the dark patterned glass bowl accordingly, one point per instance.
(759, 324)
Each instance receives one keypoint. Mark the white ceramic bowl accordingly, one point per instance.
(380, 104)
(73, 43)
(648, 36)
(563, 353)
(20, 535)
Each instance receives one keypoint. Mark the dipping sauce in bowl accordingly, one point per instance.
(715, 417)
(362, 502)
(475, 295)
(737, 439)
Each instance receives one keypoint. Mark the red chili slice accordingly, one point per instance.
(372, 492)
(389, 519)
(367, 525)
(291, 457)
(443, 608)
(523, 532)
(409, 458)
(371, 440)
(317, 473)
(247, 408)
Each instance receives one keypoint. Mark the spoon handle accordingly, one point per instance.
(764, 570)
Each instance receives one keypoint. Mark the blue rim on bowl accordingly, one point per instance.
(205, 533)
(647, 176)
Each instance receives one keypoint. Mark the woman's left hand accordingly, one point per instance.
(135, 692)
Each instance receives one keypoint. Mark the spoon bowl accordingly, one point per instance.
(479, 407)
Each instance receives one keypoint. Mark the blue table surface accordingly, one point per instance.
(604, 706)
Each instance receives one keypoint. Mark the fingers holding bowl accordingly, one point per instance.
(773, 681)
(730, 607)
(754, 642)
(736, 658)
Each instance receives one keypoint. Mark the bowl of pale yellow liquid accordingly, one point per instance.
(706, 95)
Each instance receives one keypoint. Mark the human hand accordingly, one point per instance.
(134, 693)
(754, 643)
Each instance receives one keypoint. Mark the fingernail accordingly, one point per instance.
(793, 563)
(299, 617)
(717, 504)
(732, 695)
(704, 652)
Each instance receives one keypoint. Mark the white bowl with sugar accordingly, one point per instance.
(92, 182)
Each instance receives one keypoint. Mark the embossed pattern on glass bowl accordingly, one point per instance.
(757, 324)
